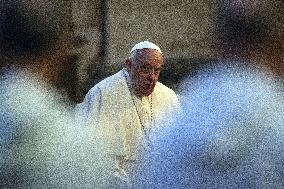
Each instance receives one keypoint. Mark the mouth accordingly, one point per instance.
(145, 89)
(148, 86)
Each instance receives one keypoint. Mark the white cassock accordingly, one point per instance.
(40, 145)
(125, 119)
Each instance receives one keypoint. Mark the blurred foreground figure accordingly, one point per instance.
(40, 145)
(232, 132)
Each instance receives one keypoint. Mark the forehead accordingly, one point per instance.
(149, 57)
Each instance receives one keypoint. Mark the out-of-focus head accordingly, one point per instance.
(248, 27)
(35, 35)
(144, 66)
(25, 31)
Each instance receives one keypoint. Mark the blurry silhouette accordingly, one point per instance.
(41, 145)
(231, 132)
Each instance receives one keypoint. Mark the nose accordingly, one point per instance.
(151, 77)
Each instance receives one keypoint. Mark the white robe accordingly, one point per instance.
(40, 145)
(110, 106)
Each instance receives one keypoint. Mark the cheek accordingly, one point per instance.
(156, 77)
(139, 77)
(134, 77)
(139, 80)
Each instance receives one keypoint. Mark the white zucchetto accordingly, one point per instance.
(146, 45)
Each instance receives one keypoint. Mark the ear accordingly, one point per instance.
(127, 64)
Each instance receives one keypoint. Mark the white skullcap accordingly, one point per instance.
(146, 45)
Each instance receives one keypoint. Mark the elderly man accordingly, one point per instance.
(128, 104)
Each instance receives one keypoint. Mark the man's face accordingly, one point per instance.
(144, 71)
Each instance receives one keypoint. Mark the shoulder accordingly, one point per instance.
(161, 89)
(108, 83)
(166, 98)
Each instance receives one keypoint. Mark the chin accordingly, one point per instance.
(144, 92)
(148, 93)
